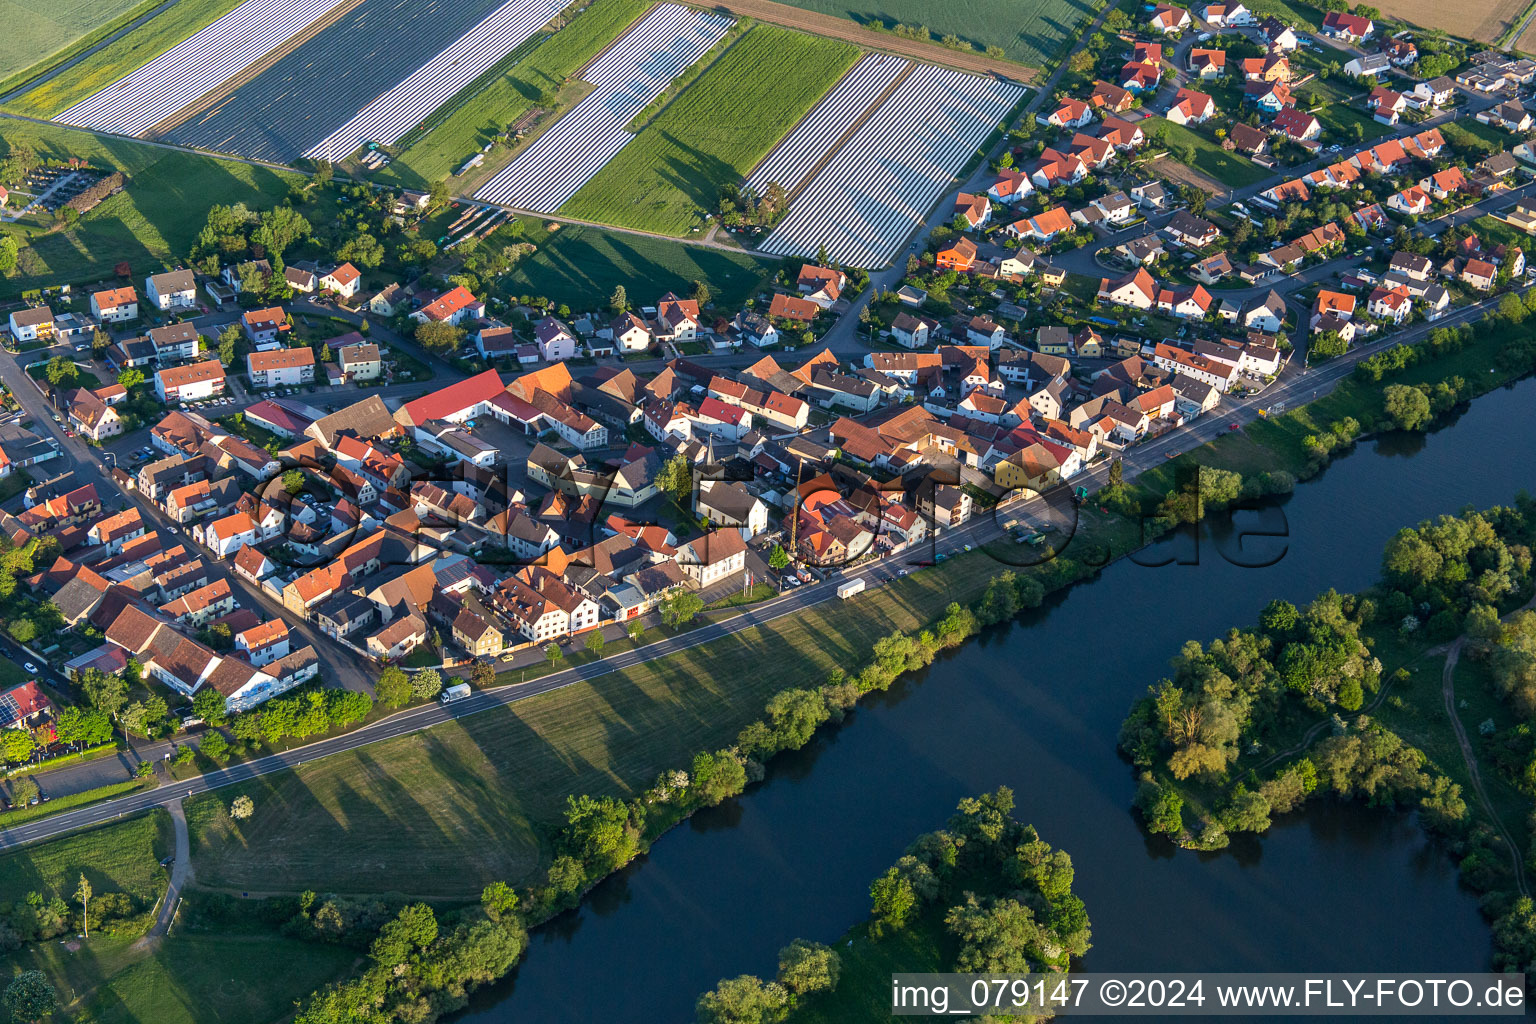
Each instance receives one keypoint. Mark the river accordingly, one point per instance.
(1036, 705)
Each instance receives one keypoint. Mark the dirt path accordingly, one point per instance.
(1448, 692)
(181, 874)
(853, 32)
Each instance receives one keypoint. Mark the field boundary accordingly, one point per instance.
(222, 92)
(852, 32)
(791, 194)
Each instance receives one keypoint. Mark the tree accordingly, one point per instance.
(30, 997)
(596, 643)
(1408, 407)
(743, 1000)
(280, 228)
(778, 558)
(143, 717)
(242, 808)
(89, 727)
(439, 336)
(681, 608)
(1327, 345)
(16, 745)
(23, 792)
(619, 300)
(426, 684)
(635, 630)
(553, 654)
(676, 479)
(23, 630)
(482, 675)
(891, 902)
(208, 704)
(362, 249)
(806, 967)
(61, 372)
(10, 253)
(293, 481)
(499, 900)
(131, 377)
(229, 341)
(701, 293)
(83, 897)
(393, 688)
(214, 745)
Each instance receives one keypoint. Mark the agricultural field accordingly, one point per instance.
(581, 266)
(36, 31)
(397, 111)
(794, 158)
(326, 79)
(714, 132)
(1485, 20)
(480, 118)
(626, 78)
(875, 189)
(207, 59)
(124, 54)
(1032, 32)
(151, 225)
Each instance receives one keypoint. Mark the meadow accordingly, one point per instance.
(714, 132)
(124, 54)
(116, 858)
(40, 33)
(581, 266)
(441, 812)
(485, 109)
(150, 224)
(1032, 32)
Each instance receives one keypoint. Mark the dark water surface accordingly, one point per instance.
(1036, 706)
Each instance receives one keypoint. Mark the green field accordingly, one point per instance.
(505, 98)
(119, 57)
(151, 224)
(1029, 31)
(581, 266)
(442, 812)
(183, 978)
(116, 858)
(714, 132)
(1199, 152)
(38, 31)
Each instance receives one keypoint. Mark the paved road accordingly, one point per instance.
(181, 870)
(1295, 387)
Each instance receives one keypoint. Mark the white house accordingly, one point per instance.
(344, 281)
(32, 323)
(175, 289)
(556, 342)
(114, 305)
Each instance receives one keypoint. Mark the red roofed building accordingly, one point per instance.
(455, 403)
(453, 306)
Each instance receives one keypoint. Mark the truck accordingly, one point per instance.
(458, 691)
(848, 588)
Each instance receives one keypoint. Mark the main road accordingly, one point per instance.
(1295, 387)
